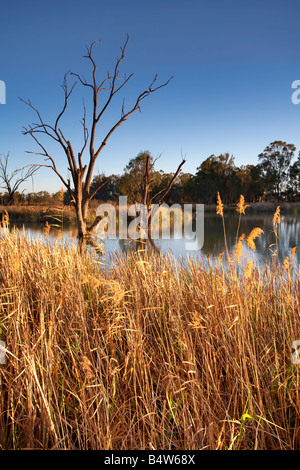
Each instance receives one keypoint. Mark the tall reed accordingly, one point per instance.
(151, 353)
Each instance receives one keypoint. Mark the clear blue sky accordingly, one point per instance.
(233, 60)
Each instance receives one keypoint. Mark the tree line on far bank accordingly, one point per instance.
(276, 177)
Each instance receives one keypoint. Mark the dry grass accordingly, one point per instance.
(150, 354)
(37, 213)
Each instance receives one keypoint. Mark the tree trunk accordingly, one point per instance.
(85, 237)
(81, 223)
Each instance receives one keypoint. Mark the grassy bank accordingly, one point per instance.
(291, 208)
(149, 354)
(38, 214)
(41, 214)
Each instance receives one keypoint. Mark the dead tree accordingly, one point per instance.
(147, 198)
(12, 181)
(81, 173)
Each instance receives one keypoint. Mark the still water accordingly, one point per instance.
(289, 237)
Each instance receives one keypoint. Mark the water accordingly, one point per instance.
(289, 236)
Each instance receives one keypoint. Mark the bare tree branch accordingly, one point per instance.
(160, 196)
(12, 181)
(98, 187)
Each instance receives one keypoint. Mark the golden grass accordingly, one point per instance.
(36, 213)
(148, 354)
(46, 212)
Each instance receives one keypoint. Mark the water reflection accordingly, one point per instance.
(289, 235)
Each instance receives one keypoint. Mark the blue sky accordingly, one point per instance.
(233, 63)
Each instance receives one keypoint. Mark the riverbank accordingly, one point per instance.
(41, 214)
(291, 208)
(38, 214)
(150, 354)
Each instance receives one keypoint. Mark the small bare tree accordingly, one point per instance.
(145, 187)
(79, 183)
(11, 181)
(149, 199)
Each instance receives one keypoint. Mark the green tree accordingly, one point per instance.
(110, 191)
(251, 182)
(216, 173)
(130, 181)
(142, 183)
(275, 163)
(294, 178)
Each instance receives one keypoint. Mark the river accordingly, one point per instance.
(289, 236)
